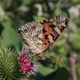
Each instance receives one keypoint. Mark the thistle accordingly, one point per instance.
(8, 64)
(26, 64)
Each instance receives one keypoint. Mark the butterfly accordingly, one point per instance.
(39, 36)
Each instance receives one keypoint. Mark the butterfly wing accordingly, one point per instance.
(40, 35)
(32, 35)
(53, 28)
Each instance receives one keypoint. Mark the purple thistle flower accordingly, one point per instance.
(27, 66)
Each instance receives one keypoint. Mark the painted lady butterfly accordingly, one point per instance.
(40, 35)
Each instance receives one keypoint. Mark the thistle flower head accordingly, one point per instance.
(27, 66)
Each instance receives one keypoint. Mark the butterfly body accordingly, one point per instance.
(40, 35)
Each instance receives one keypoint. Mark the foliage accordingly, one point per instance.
(14, 14)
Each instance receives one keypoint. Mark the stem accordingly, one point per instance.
(72, 63)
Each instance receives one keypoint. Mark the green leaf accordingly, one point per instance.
(6, 3)
(26, 2)
(75, 1)
(75, 41)
(10, 36)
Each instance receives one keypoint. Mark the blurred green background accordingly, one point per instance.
(15, 13)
